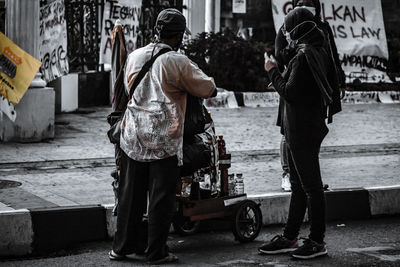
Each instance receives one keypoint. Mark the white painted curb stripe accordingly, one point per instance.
(111, 220)
(16, 232)
(384, 200)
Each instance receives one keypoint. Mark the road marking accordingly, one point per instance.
(378, 252)
(240, 262)
(4, 207)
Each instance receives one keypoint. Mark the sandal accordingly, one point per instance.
(115, 257)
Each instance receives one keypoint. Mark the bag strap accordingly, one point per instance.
(145, 69)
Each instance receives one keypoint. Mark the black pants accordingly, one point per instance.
(307, 191)
(158, 179)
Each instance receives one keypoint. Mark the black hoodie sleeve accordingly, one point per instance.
(291, 89)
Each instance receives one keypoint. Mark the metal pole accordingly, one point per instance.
(210, 16)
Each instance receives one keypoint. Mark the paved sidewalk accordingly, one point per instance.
(361, 150)
(55, 194)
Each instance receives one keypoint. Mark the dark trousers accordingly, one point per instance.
(307, 191)
(158, 180)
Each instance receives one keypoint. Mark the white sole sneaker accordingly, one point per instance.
(322, 253)
(280, 251)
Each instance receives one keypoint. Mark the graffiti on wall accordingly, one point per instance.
(53, 40)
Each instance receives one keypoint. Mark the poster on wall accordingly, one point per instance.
(359, 33)
(239, 6)
(17, 70)
(53, 41)
(128, 13)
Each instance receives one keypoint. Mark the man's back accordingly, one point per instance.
(153, 123)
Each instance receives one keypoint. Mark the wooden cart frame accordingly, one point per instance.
(244, 215)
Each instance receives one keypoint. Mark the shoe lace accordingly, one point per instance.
(277, 237)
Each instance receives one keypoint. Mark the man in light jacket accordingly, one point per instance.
(152, 140)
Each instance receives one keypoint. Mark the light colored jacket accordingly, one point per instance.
(152, 127)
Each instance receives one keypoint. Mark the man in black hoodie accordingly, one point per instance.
(283, 54)
(306, 91)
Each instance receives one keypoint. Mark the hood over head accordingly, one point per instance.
(317, 5)
(299, 23)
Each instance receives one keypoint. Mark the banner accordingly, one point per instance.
(53, 41)
(224, 99)
(128, 12)
(359, 33)
(17, 70)
(254, 100)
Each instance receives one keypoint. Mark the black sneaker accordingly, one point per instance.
(309, 250)
(279, 244)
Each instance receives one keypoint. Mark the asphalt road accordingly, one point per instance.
(373, 242)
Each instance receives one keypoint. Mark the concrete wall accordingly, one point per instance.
(35, 118)
(66, 90)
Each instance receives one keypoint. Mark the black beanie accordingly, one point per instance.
(170, 22)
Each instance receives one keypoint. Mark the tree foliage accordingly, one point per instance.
(235, 64)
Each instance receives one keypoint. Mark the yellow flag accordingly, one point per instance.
(17, 70)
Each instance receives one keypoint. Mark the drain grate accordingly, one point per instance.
(9, 184)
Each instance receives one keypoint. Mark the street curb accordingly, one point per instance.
(40, 231)
(56, 228)
(16, 233)
(384, 200)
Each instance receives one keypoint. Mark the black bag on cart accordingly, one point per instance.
(196, 153)
(195, 119)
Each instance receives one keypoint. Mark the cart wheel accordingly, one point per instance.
(184, 226)
(246, 221)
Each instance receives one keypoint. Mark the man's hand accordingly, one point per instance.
(270, 62)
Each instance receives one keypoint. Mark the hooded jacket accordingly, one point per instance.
(326, 28)
(305, 87)
(337, 78)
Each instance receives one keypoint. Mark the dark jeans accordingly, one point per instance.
(158, 180)
(307, 191)
(283, 152)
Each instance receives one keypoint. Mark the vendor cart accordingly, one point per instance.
(210, 193)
